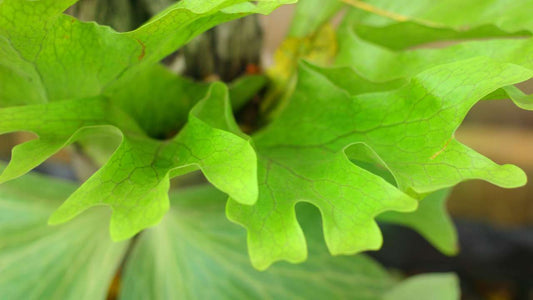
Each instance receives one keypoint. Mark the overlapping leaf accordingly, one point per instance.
(409, 130)
(110, 85)
(365, 39)
(375, 39)
(135, 180)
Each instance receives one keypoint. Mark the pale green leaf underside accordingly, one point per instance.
(38, 262)
(443, 286)
(135, 180)
(195, 253)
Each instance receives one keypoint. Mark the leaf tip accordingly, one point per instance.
(56, 219)
(511, 177)
(263, 263)
(10, 173)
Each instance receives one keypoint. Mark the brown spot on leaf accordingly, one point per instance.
(143, 49)
(441, 150)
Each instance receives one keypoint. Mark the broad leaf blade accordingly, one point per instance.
(73, 261)
(135, 181)
(410, 129)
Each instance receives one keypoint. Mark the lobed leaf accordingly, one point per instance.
(135, 180)
(365, 43)
(377, 40)
(111, 86)
(409, 129)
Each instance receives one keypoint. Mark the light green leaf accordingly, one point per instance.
(73, 261)
(135, 180)
(165, 117)
(20, 81)
(409, 129)
(431, 220)
(57, 58)
(427, 286)
(367, 37)
(157, 99)
(290, 172)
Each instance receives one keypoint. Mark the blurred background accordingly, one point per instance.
(495, 225)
